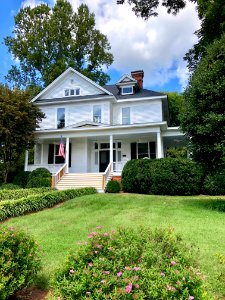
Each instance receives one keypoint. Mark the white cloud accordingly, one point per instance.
(157, 46)
(31, 3)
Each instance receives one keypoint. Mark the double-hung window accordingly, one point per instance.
(97, 114)
(127, 90)
(125, 115)
(60, 117)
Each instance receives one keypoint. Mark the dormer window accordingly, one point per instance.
(72, 92)
(127, 90)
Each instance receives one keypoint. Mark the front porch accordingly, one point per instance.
(98, 154)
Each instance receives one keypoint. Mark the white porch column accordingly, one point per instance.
(159, 145)
(111, 149)
(42, 154)
(26, 160)
(67, 154)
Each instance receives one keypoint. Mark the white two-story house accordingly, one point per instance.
(101, 128)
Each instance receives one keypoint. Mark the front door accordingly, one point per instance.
(103, 160)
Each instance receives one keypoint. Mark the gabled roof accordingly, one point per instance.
(126, 79)
(70, 69)
(142, 93)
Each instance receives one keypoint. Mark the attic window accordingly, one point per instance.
(128, 90)
(72, 92)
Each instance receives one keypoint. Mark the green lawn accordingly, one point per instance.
(59, 229)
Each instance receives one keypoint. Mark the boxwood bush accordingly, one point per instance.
(214, 184)
(130, 264)
(113, 186)
(19, 261)
(20, 193)
(34, 203)
(165, 176)
(21, 178)
(40, 177)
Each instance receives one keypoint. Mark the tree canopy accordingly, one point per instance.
(203, 118)
(47, 41)
(19, 119)
(175, 102)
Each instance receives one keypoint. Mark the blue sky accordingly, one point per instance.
(156, 46)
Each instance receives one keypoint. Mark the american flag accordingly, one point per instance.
(61, 148)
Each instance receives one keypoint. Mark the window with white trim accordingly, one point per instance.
(125, 115)
(72, 92)
(60, 117)
(97, 113)
(127, 90)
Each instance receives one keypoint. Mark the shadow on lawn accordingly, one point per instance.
(212, 204)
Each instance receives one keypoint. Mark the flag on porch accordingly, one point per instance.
(61, 148)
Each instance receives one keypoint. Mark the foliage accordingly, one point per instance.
(136, 176)
(34, 203)
(47, 41)
(19, 261)
(180, 152)
(175, 101)
(130, 264)
(203, 118)
(113, 186)
(148, 8)
(9, 186)
(21, 178)
(214, 184)
(13, 194)
(40, 177)
(165, 176)
(19, 119)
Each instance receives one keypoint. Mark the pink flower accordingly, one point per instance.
(88, 293)
(93, 233)
(90, 264)
(119, 274)
(90, 236)
(71, 271)
(103, 281)
(191, 298)
(128, 268)
(105, 234)
(106, 272)
(170, 288)
(129, 288)
(98, 246)
(58, 298)
(110, 248)
(137, 268)
(173, 263)
(85, 243)
(162, 274)
(137, 286)
(113, 231)
(98, 227)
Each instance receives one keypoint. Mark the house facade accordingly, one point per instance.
(101, 127)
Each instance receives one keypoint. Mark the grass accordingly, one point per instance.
(58, 230)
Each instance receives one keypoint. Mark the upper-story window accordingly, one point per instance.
(127, 90)
(125, 115)
(97, 113)
(60, 117)
(72, 92)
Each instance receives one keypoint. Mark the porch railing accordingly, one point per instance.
(106, 175)
(58, 175)
(118, 166)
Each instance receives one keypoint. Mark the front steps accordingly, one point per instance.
(80, 180)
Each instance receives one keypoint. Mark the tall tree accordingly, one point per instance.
(203, 118)
(19, 119)
(47, 41)
(175, 102)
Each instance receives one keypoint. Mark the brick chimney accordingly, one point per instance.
(138, 75)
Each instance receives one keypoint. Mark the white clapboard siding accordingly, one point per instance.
(49, 122)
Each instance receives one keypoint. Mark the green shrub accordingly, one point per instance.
(130, 264)
(113, 186)
(136, 176)
(38, 202)
(214, 184)
(165, 176)
(6, 194)
(21, 178)
(40, 177)
(9, 186)
(19, 261)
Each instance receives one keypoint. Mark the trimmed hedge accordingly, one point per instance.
(20, 193)
(40, 177)
(165, 176)
(214, 184)
(19, 261)
(113, 187)
(21, 178)
(38, 202)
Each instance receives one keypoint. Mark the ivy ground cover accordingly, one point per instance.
(196, 219)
